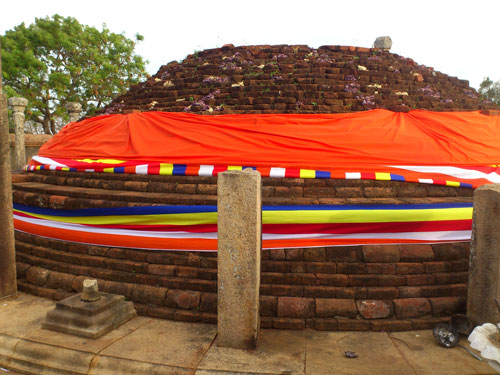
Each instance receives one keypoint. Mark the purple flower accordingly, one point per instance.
(429, 91)
(352, 87)
(212, 79)
(368, 101)
(470, 93)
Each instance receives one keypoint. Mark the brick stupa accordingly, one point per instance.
(384, 287)
(297, 79)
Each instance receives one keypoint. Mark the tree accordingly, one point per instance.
(490, 90)
(58, 60)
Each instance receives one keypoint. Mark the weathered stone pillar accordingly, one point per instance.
(239, 230)
(484, 264)
(8, 284)
(18, 105)
(74, 110)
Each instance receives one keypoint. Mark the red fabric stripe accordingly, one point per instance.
(203, 228)
(218, 169)
(338, 228)
(387, 227)
(367, 176)
(154, 168)
(292, 173)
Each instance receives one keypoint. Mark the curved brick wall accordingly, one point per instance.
(337, 288)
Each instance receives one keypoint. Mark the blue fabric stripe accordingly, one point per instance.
(397, 177)
(179, 170)
(119, 169)
(147, 210)
(369, 207)
(465, 185)
(322, 174)
(156, 210)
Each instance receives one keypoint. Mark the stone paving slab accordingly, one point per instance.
(35, 358)
(95, 346)
(278, 352)
(7, 346)
(165, 342)
(105, 365)
(425, 356)
(153, 347)
(22, 314)
(377, 354)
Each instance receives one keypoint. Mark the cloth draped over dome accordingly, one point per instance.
(449, 148)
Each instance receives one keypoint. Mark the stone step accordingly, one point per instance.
(57, 196)
(60, 196)
(108, 260)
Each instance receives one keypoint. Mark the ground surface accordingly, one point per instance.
(153, 346)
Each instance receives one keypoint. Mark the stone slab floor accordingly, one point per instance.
(154, 347)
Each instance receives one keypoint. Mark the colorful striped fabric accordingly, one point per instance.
(195, 227)
(468, 177)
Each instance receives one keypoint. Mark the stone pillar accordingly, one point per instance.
(74, 110)
(484, 264)
(18, 105)
(239, 223)
(8, 284)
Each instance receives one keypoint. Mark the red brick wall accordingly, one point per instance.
(396, 287)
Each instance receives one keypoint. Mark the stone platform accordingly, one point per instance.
(152, 346)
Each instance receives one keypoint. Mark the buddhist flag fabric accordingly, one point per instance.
(195, 227)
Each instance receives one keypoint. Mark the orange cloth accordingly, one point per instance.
(319, 141)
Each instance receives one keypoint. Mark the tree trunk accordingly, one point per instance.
(46, 126)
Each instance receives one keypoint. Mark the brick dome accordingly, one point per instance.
(296, 79)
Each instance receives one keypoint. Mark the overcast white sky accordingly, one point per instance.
(460, 38)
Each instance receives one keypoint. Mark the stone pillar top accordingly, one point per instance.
(17, 102)
(90, 291)
(74, 107)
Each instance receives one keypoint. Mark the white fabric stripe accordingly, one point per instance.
(122, 232)
(141, 169)
(277, 172)
(47, 161)
(206, 170)
(352, 175)
(463, 235)
(89, 170)
(425, 181)
(465, 174)
(52, 167)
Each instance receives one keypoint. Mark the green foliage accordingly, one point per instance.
(58, 60)
(490, 90)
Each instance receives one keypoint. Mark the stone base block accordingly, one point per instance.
(89, 319)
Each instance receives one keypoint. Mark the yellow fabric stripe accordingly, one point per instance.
(166, 169)
(365, 216)
(109, 170)
(307, 173)
(66, 169)
(161, 219)
(382, 176)
(452, 183)
(234, 168)
(278, 217)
